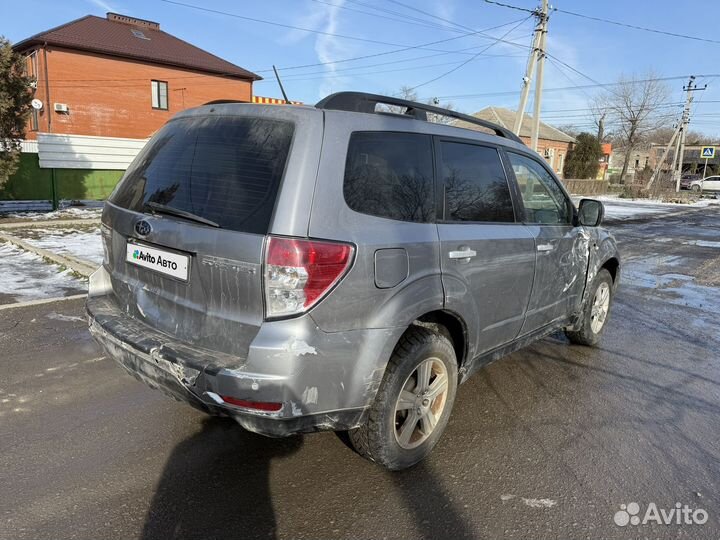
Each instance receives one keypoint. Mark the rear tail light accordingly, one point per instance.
(265, 406)
(299, 273)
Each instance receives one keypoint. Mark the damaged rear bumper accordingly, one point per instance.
(324, 381)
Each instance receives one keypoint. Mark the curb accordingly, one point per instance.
(83, 268)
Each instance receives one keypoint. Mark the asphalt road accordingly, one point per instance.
(546, 443)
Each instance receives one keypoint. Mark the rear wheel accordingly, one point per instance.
(413, 403)
(596, 311)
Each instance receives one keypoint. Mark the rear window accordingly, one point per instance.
(226, 170)
(390, 175)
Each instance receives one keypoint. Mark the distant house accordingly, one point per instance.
(553, 144)
(102, 87)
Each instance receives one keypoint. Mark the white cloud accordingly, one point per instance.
(329, 48)
(103, 5)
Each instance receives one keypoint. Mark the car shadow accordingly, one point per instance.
(216, 484)
(434, 512)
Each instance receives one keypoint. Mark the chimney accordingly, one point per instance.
(132, 21)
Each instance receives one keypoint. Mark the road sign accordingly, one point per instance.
(707, 152)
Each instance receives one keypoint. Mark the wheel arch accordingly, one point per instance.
(450, 325)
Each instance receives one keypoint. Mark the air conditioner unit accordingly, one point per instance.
(61, 108)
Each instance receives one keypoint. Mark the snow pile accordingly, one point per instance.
(85, 245)
(26, 276)
(621, 209)
(73, 212)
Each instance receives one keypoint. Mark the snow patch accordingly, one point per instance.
(61, 317)
(84, 245)
(539, 503)
(26, 276)
(532, 503)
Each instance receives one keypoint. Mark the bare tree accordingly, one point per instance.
(632, 105)
(408, 93)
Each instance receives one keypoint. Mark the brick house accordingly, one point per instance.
(553, 144)
(103, 86)
(122, 77)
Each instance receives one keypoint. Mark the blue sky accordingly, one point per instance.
(601, 51)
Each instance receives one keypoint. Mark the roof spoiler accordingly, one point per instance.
(366, 103)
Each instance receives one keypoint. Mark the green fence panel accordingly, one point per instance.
(30, 182)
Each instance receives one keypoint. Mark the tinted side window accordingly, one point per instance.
(390, 175)
(543, 199)
(476, 188)
(227, 170)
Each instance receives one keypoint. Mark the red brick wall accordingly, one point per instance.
(111, 97)
(561, 149)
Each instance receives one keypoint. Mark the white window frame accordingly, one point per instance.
(159, 99)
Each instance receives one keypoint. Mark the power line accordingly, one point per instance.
(401, 19)
(335, 75)
(281, 25)
(510, 6)
(413, 8)
(616, 23)
(636, 27)
(471, 58)
(513, 92)
(422, 46)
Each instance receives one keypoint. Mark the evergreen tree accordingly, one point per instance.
(582, 160)
(15, 98)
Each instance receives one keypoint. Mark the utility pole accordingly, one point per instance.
(537, 101)
(659, 165)
(537, 56)
(527, 79)
(601, 127)
(678, 138)
(689, 89)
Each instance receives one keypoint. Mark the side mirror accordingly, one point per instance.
(590, 212)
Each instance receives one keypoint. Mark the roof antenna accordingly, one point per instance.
(281, 86)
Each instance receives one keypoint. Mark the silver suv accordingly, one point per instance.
(340, 268)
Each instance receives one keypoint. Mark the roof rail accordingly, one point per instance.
(366, 103)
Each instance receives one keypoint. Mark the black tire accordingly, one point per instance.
(585, 335)
(695, 188)
(376, 440)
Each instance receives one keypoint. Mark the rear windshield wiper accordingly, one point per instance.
(162, 209)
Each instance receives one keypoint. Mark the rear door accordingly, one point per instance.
(202, 195)
(487, 256)
(561, 247)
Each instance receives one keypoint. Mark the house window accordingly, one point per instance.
(159, 95)
(561, 164)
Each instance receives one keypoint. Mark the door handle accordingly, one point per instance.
(545, 247)
(464, 254)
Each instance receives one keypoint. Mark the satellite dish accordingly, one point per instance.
(36, 104)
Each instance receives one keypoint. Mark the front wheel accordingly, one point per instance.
(413, 404)
(595, 312)
(695, 188)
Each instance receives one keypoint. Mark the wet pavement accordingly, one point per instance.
(546, 443)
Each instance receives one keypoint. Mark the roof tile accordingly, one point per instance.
(98, 35)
